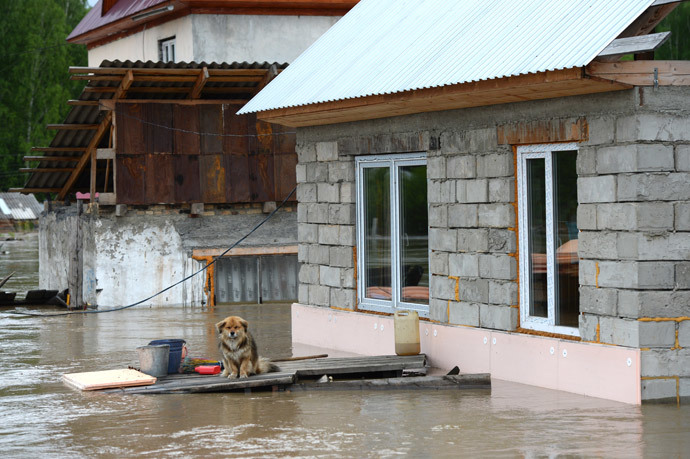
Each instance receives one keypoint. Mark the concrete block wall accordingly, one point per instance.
(634, 245)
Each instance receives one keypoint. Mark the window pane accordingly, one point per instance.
(377, 232)
(414, 236)
(565, 231)
(536, 223)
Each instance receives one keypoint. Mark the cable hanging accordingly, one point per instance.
(99, 311)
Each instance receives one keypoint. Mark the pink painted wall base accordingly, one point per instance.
(595, 370)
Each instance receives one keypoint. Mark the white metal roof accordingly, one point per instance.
(388, 46)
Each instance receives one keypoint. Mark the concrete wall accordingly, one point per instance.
(221, 38)
(634, 196)
(129, 258)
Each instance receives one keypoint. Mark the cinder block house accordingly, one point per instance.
(172, 176)
(497, 168)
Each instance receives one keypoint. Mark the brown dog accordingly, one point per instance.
(240, 356)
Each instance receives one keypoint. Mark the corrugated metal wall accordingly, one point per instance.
(240, 279)
(176, 153)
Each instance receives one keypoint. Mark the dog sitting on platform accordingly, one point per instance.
(239, 350)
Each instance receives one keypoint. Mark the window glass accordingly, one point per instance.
(536, 215)
(414, 235)
(377, 232)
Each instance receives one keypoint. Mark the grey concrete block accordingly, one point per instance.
(473, 240)
(659, 389)
(655, 275)
(665, 362)
(306, 192)
(341, 257)
(472, 191)
(654, 186)
(306, 153)
(682, 216)
(303, 293)
(438, 263)
(341, 171)
(121, 209)
(463, 314)
(436, 167)
(502, 190)
(308, 274)
(654, 215)
(343, 298)
(473, 290)
(657, 334)
(600, 301)
(326, 151)
(653, 126)
(663, 246)
(596, 189)
(683, 158)
(497, 267)
(683, 275)
(328, 192)
(629, 303)
(348, 277)
(496, 215)
(341, 214)
(329, 234)
(347, 235)
(462, 215)
(303, 253)
(329, 275)
(618, 216)
(586, 162)
(622, 332)
(438, 215)
(684, 333)
(463, 264)
(495, 165)
(588, 324)
(302, 213)
(480, 140)
(348, 193)
(301, 173)
(461, 166)
(319, 295)
(635, 158)
(438, 310)
(443, 239)
(441, 192)
(598, 244)
(502, 241)
(317, 212)
(317, 172)
(660, 303)
(627, 245)
(443, 287)
(601, 130)
(587, 272)
(684, 388)
(587, 217)
(498, 317)
(642, 275)
(503, 293)
(307, 233)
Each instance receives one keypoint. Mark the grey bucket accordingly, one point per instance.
(153, 359)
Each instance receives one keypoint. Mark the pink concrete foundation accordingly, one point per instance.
(595, 370)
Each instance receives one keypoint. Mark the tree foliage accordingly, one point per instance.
(35, 82)
(678, 45)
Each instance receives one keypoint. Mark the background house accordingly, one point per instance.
(556, 190)
(18, 211)
(171, 175)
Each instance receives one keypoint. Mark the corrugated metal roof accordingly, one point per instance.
(390, 46)
(17, 206)
(121, 9)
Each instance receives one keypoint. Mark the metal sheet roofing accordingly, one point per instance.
(390, 46)
(121, 9)
(16, 206)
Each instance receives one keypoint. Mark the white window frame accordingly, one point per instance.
(393, 161)
(545, 324)
(166, 45)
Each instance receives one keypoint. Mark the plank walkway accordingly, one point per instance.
(349, 373)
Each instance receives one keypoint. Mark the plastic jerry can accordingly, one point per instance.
(406, 332)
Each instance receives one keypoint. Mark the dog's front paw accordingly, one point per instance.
(225, 373)
(232, 375)
(244, 375)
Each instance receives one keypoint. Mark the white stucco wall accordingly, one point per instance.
(143, 46)
(221, 38)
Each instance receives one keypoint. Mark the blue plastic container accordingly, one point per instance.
(175, 358)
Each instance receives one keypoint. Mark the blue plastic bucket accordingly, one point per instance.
(175, 358)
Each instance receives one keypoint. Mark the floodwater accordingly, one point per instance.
(43, 417)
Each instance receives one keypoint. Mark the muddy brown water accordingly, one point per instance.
(43, 417)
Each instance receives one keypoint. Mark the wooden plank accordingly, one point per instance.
(58, 148)
(350, 365)
(199, 84)
(41, 170)
(95, 380)
(34, 190)
(130, 129)
(213, 383)
(129, 181)
(83, 102)
(72, 127)
(53, 159)
(641, 73)
(470, 381)
(162, 71)
(252, 251)
(635, 45)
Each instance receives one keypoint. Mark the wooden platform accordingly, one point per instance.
(351, 373)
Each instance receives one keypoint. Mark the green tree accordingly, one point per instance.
(678, 45)
(35, 80)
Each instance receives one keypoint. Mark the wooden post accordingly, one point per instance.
(76, 271)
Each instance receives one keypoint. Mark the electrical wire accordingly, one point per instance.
(99, 311)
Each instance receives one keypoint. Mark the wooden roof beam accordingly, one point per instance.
(201, 80)
(34, 190)
(82, 102)
(58, 148)
(632, 45)
(52, 158)
(72, 127)
(40, 170)
(646, 22)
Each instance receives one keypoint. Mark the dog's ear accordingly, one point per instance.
(220, 325)
(244, 324)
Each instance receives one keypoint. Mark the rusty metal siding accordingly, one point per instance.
(186, 122)
(212, 178)
(211, 122)
(159, 181)
(130, 129)
(159, 128)
(130, 179)
(187, 187)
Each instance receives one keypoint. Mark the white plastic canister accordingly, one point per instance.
(406, 332)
